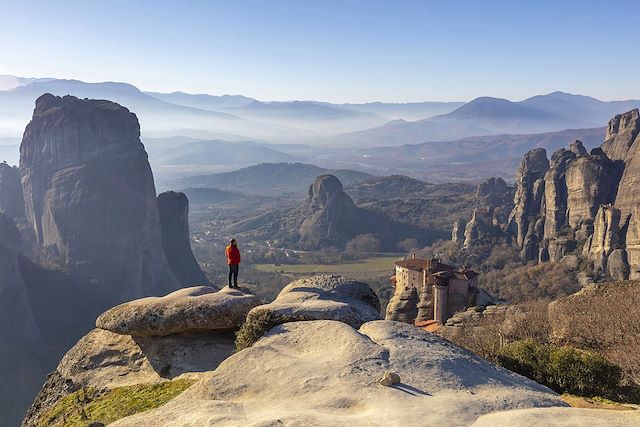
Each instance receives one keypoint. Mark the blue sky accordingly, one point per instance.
(339, 51)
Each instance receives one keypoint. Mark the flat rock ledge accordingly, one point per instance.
(194, 309)
(323, 297)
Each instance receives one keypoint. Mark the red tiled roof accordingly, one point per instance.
(421, 264)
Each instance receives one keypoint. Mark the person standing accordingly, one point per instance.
(233, 259)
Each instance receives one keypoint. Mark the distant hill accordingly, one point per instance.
(189, 151)
(490, 116)
(470, 158)
(203, 101)
(272, 179)
(406, 111)
(16, 106)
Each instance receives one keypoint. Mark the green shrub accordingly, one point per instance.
(564, 369)
(253, 328)
(259, 324)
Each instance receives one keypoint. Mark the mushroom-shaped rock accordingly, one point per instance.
(323, 298)
(199, 308)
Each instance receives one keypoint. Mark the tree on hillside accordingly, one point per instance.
(407, 245)
(362, 244)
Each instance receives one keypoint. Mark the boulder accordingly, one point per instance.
(199, 308)
(326, 373)
(90, 198)
(176, 242)
(323, 298)
(11, 200)
(618, 265)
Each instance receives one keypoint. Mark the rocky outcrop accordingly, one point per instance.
(90, 198)
(174, 225)
(559, 248)
(528, 199)
(621, 134)
(403, 305)
(480, 227)
(591, 182)
(457, 232)
(331, 216)
(323, 298)
(577, 148)
(199, 308)
(555, 192)
(17, 319)
(606, 236)
(11, 201)
(104, 360)
(326, 373)
(493, 192)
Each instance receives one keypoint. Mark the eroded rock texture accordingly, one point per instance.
(174, 223)
(90, 197)
(528, 199)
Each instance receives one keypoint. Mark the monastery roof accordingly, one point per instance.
(439, 269)
(421, 264)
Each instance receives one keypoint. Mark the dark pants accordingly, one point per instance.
(233, 272)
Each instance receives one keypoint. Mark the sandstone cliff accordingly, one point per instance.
(90, 197)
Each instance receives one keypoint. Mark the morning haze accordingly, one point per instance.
(319, 213)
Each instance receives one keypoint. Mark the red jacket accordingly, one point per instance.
(233, 255)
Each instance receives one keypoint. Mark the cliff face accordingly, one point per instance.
(174, 224)
(591, 199)
(89, 194)
(11, 201)
(530, 191)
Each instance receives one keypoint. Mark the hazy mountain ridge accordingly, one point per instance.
(271, 179)
(489, 116)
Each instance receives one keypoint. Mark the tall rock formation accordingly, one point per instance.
(174, 223)
(11, 201)
(591, 182)
(555, 192)
(331, 216)
(628, 195)
(90, 197)
(590, 199)
(528, 199)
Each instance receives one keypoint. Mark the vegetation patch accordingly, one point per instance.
(595, 402)
(563, 369)
(258, 325)
(89, 404)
